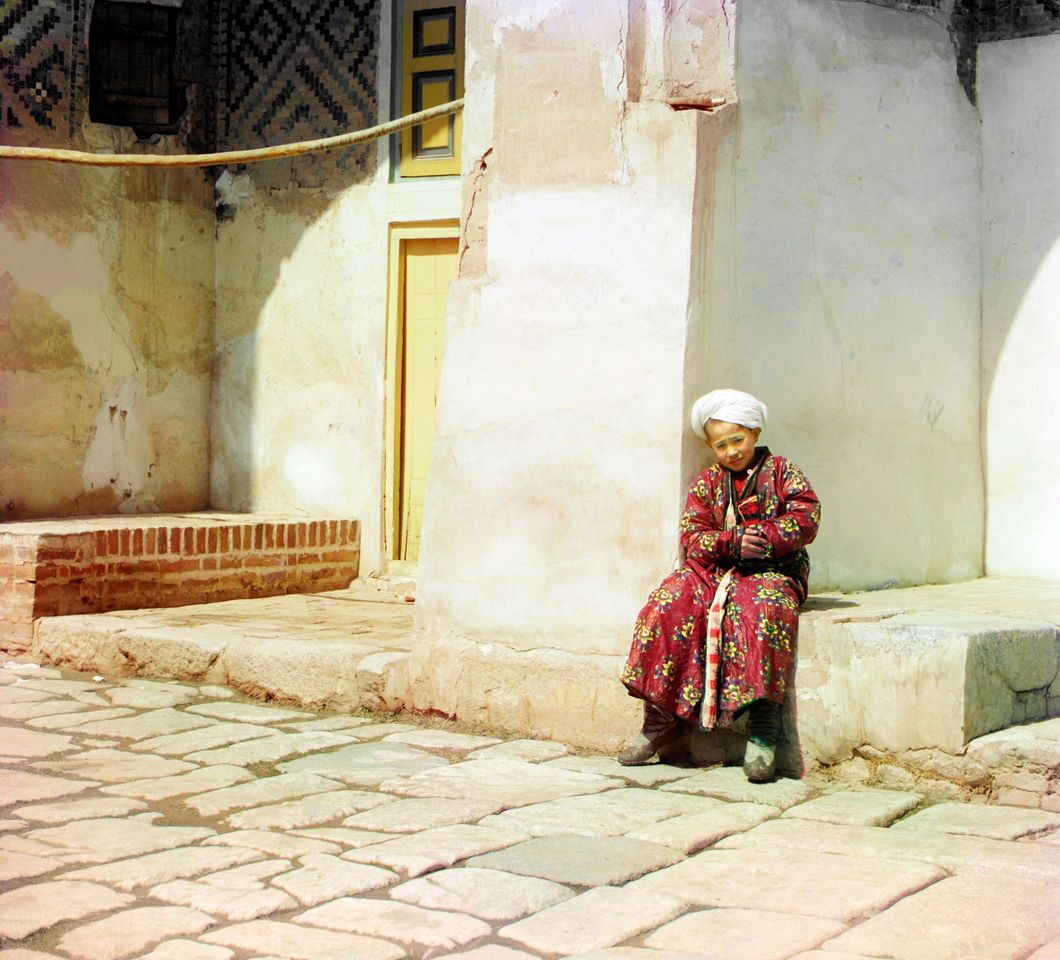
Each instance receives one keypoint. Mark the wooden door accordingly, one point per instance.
(429, 266)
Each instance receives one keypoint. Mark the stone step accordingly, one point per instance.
(97, 564)
(324, 651)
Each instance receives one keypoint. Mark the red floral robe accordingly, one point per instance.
(665, 664)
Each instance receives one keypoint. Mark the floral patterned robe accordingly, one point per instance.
(665, 664)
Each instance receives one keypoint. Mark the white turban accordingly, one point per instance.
(729, 406)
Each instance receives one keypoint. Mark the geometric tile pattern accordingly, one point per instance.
(296, 69)
(36, 63)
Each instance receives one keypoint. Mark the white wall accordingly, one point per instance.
(1019, 99)
(556, 482)
(844, 281)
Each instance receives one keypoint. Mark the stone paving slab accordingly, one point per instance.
(261, 791)
(365, 764)
(154, 723)
(31, 709)
(583, 861)
(67, 810)
(236, 905)
(20, 693)
(642, 953)
(860, 806)
(434, 931)
(274, 844)
(821, 885)
(248, 712)
(729, 783)
(322, 877)
(129, 931)
(306, 811)
(511, 782)
(202, 780)
(1050, 951)
(949, 851)
(115, 766)
(150, 697)
(26, 744)
(155, 868)
(649, 775)
(344, 836)
(113, 838)
(247, 876)
(531, 751)
(68, 721)
(958, 918)
(329, 723)
(272, 749)
(492, 895)
(20, 866)
(418, 853)
(296, 941)
(595, 919)
(21, 786)
(617, 811)
(180, 949)
(218, 734)
(455, 745)
(492, 952)
(691, 832)
(1001, 823)
(732, 933)
(26, 910)
(417, 813)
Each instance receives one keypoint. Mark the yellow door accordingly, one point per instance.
(429, 267)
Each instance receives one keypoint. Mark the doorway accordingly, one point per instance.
(423, 262)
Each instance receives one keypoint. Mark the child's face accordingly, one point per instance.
(732, 443)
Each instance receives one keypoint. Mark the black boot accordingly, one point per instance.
(760, 757)
(658, 729)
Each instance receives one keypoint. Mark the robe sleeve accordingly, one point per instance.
(797, 525)
(701, 538)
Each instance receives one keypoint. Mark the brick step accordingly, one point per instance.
(98, 564)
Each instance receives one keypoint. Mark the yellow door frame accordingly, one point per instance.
(400, 233)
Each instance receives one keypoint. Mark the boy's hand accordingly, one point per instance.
(753, 545)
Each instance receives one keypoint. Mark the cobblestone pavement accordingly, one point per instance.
(181, 822)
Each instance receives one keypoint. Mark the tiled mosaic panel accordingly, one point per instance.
(37, 63)
(297, 69)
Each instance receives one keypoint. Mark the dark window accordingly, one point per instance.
(131, 49)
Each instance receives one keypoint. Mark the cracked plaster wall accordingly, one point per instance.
(557, 473)
(106, 290)
(1019, 98)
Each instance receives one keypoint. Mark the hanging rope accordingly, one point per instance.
(230, 156)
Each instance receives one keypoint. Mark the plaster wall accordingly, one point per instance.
(1019, 99)
(557, 479)
(843, 281)
(297, 415)
(106, 290)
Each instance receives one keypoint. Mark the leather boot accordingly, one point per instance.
(657, 730)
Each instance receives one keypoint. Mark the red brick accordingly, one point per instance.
(311, 534)
(231, 562)
(333, 531)
(223, 540)
(188, 544)
(200, 540)
(347, 556)
(211, 540)
(270, 538)
(100, 542)
(210, 563)
(305, 559)
(150, 541)
(248, 537)
(113, 540)
(138, 542)
(124, 542)
(344, 531)
(259, 536)
(235, 538)
(174, 540)
(186, 565)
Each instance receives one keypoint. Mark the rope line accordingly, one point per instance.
(230, 156)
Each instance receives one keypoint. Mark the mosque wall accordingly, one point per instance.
(1019, 98)
(557, 481)
(106, 289)
(843, 281)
